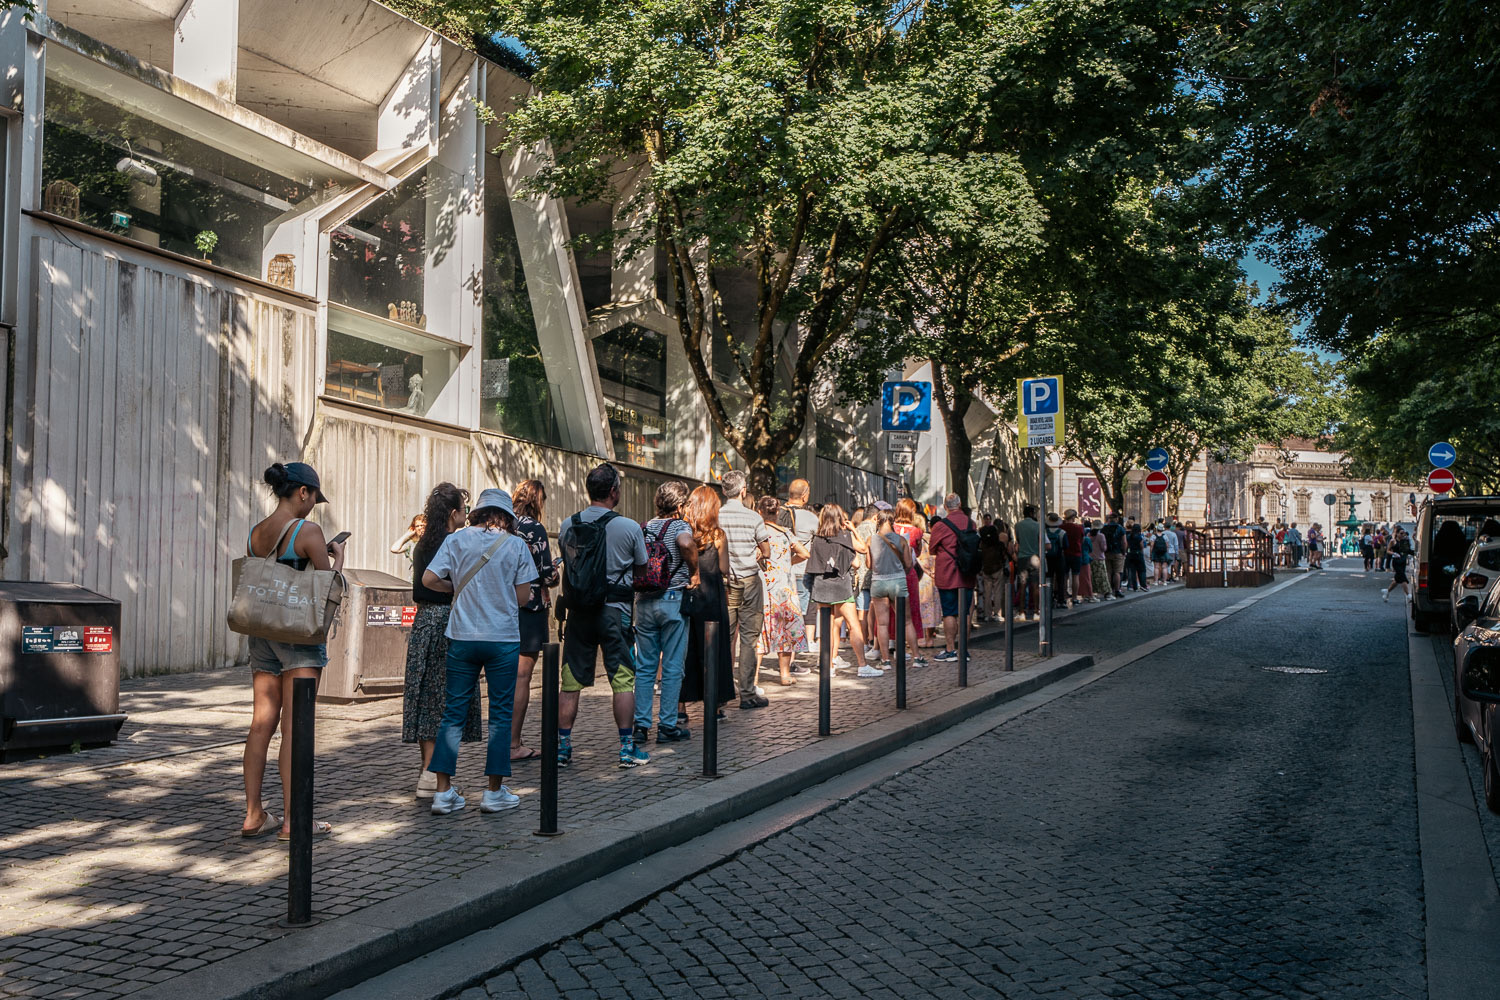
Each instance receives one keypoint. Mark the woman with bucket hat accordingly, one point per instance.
(489, 570)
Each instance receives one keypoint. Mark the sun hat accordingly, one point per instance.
(495, 498)
(1052, 518)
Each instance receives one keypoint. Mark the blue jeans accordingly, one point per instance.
(465, 660)
(660, 638)
(802, 594)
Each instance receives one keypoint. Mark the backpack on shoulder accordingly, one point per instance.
(585, 583)
(1159, 548)
(656, 575)
(966, 552)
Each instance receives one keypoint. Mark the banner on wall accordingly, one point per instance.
(1090, 497)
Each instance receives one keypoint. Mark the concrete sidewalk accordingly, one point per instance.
(124, 872)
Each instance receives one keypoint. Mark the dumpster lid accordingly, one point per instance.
(375, 578)
(38, 591)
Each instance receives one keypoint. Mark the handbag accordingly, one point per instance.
(276, 601)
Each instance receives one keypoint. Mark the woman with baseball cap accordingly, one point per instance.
(489, 571)
(274, 665)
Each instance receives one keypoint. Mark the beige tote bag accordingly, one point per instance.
(276, 601)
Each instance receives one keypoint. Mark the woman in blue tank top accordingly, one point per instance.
(274, 665)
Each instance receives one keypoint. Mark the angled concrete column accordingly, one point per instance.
(408, 115)
(205, 45)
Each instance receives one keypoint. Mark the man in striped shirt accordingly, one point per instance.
(749, 542)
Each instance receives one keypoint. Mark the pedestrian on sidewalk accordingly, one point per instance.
(1135, 559)
(710, 603)
(1179, 567)
(863, 527)
(1086, 569)
(660, 626)
(1028, 562)
(890, 558)
(749, 542)
(275, 665)
(803, 524)
(530, 500)
(830, 567)
(489, 570)
(927, 595)
(950, 542)
(1161, 553)
(908, 525)
(1315, 547)
(782, 633)
(1115, 540)
(601, 551)
(1400, 552)
(1073, 553)
(1367, 548)
(1057, 560)
(1100, 565)
(426, 688)
(992, 562)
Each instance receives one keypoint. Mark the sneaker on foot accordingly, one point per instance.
(631, 754)
(498, 801)
(946, 656)
(426, 785)
(564, 751)
(871, 656)
(865, 670)
(447, 802)
(920, 661)
(839, 663)
(1385, 595)
(754, 701)
(672, 734)
(798, 668)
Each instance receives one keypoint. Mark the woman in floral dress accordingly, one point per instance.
(927, 590)
(783, 632)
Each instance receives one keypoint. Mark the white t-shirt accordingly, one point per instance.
(485, 610)
(1171, 537)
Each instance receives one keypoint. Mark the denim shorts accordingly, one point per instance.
(889, 589)
(949, 601)
(862, 601)
(269, 657)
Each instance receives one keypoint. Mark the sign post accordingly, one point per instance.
(1041, 424)
(1329, 499)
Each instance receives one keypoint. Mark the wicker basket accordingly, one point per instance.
(282, 271)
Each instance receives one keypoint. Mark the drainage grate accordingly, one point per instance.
(1295, 670)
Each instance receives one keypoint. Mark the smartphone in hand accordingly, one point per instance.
(339, 539)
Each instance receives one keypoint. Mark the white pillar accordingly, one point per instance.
(409, 111)
(205, 45)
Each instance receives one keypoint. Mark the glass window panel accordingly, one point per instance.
(378, 258)
(515, 396)
(107, 167)
(632, 363)
(394, 369)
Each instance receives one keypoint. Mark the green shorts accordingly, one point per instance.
(583, 636)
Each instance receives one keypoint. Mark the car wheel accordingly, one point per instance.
(1465, 735)
(1491, 781)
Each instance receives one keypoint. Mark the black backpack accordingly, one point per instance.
(1159, 547)
(966, 552)
(585, 553)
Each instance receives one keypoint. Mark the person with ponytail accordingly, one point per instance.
(275, 665)
(427, 650)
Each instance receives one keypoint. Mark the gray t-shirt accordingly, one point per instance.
(804, 526)
(885, 558)
(626, 547)
(485, 610)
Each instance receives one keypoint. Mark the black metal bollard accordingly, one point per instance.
(299, 859)
(1010, 632)
(901, 652)
(963, 637)
(710, 699)
(825, 670)
(551, 684)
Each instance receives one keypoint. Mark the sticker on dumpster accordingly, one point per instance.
(36, 638)
(98, 638)
(392, 616)
(67, 639)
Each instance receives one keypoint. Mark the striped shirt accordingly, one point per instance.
(744, 530)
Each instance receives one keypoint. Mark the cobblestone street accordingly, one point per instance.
(1233, 816)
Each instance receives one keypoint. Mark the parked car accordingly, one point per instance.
(1481, 568)
(1446, 527)
(1476, 687)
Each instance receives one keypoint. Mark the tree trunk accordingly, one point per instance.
(953, 400)
(762, 474)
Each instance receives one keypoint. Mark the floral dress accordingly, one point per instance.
(927, 594)
(783, 631)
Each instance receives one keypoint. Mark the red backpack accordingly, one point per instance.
(656, 575)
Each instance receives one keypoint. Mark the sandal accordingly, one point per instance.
(320, 829)
(266, 826)
(527, 753)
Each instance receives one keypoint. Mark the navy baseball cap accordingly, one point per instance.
(304, 475)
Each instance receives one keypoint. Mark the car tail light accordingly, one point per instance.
(1475, 581)
(1421, 576)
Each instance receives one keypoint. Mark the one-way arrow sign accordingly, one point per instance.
(1441, 454)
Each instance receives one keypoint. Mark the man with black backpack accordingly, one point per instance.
(956, 561)
(601, 550)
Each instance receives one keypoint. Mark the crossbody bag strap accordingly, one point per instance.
(480, 564)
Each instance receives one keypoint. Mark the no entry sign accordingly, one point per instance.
(1440, 480)
(1157, 482)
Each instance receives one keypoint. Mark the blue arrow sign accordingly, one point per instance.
(1441, 454)
(1157, 459)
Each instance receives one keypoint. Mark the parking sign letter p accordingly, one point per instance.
(905, 399)
(1039, 391)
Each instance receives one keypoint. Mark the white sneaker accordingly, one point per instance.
(426, 785)
(839, 663)
(866, 670)
(1385, 595)
(447, 802)
(499, 801)
(871, 656)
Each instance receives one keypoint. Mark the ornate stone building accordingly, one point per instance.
(1291, 480)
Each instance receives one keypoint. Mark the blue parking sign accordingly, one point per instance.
(1040, 396)
(906, 406)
